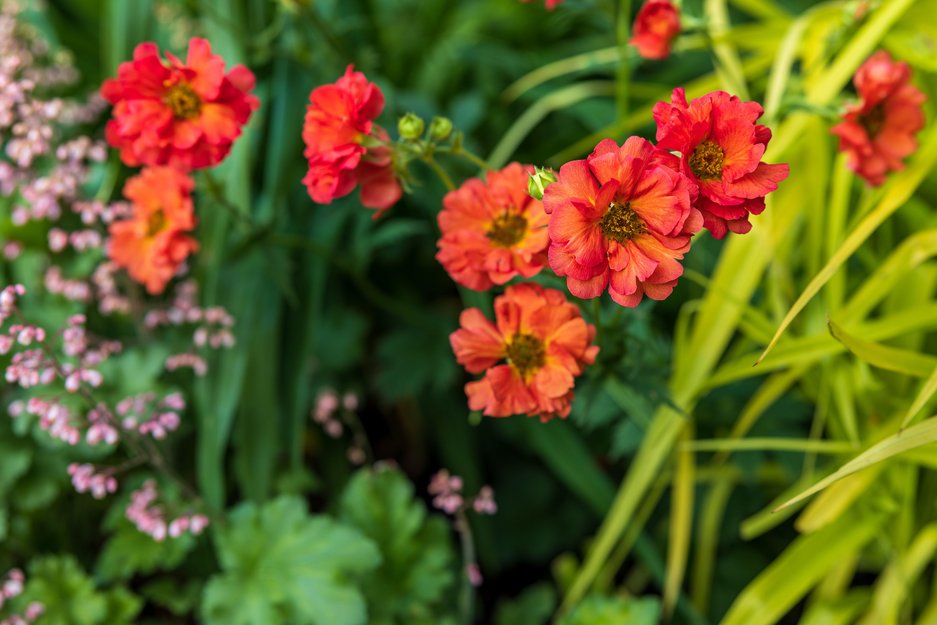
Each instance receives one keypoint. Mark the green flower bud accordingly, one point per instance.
(539, 180)
(440, 128)
(411, 126)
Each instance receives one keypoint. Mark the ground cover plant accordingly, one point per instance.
(406, 311)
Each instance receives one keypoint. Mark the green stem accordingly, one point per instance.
(467, 593)
(446, 180)
(473, 158)
(623, 76)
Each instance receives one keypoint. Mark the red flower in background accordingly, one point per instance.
(544, 343)
(656, 24)
(721, 148)
(493, 231)
(878, 131)
(186, 115)
(338, 123)
(621, 219)
(152, 244)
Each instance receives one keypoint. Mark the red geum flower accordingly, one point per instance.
(621, 219)
(878, 131)
(656, 24)
(544, 343)
(493, 231)
(186, 115)
(338, 125)
(152, 244)
(721, 148)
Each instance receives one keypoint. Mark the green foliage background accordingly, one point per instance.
(662, 483)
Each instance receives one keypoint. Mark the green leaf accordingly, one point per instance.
(70, 597)
(614, 611)
(129, 551)
(533, 607)
(282, 565)
(416, 554)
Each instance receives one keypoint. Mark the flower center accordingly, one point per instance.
(507, 229)
(155, 223)
(526, 353)
(873, 121)
(706, 161)
(621, 222)
(183, 101)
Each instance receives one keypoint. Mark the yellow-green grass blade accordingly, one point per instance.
(781, 70)
(556, 69)
(762, 8)
(767, 519)
(798, 569)
(558, 100)
(910, 254)
(899, 189)
(826, 85)
(895, 584)
(832, 503)
(681, 524)
(707, 542)
(803, 445)
(885, 357)
(927, 391)
(919, 435)
(728, 65)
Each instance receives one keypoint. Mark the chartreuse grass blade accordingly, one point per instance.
(894, 585)
(835, 501)
(885, 357)
(767, 519)
(799, 568)
(923, 433)
(728, 65)
(707, 542)
(804, 445)
(558, 100)
(899, 189)
(681, 523)
(913, 251)
(556, 69)
(927, 391)
(762, 8)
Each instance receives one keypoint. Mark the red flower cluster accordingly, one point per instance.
(544, 342)
(656, 24)
(721, 146)
(339, 133)
(878, 131)
(152, 243)
(186, 115)
(493, 231)
(622, 220)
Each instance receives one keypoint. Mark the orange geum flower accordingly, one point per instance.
(338, 125)
(493, 231)
(656, 24)
(186, 115)
(621, 219)
(152, 243)
(721, 146)
(530, 356)
(877, 132)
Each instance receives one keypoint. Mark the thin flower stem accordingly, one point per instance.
(446, 180)
(467, 593)
(474, 159)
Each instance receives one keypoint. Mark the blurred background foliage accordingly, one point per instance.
(703, 445)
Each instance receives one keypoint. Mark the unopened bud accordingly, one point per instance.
(411, 126)
(539, 180)
(440, 128)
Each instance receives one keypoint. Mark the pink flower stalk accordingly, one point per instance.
(151, 519)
